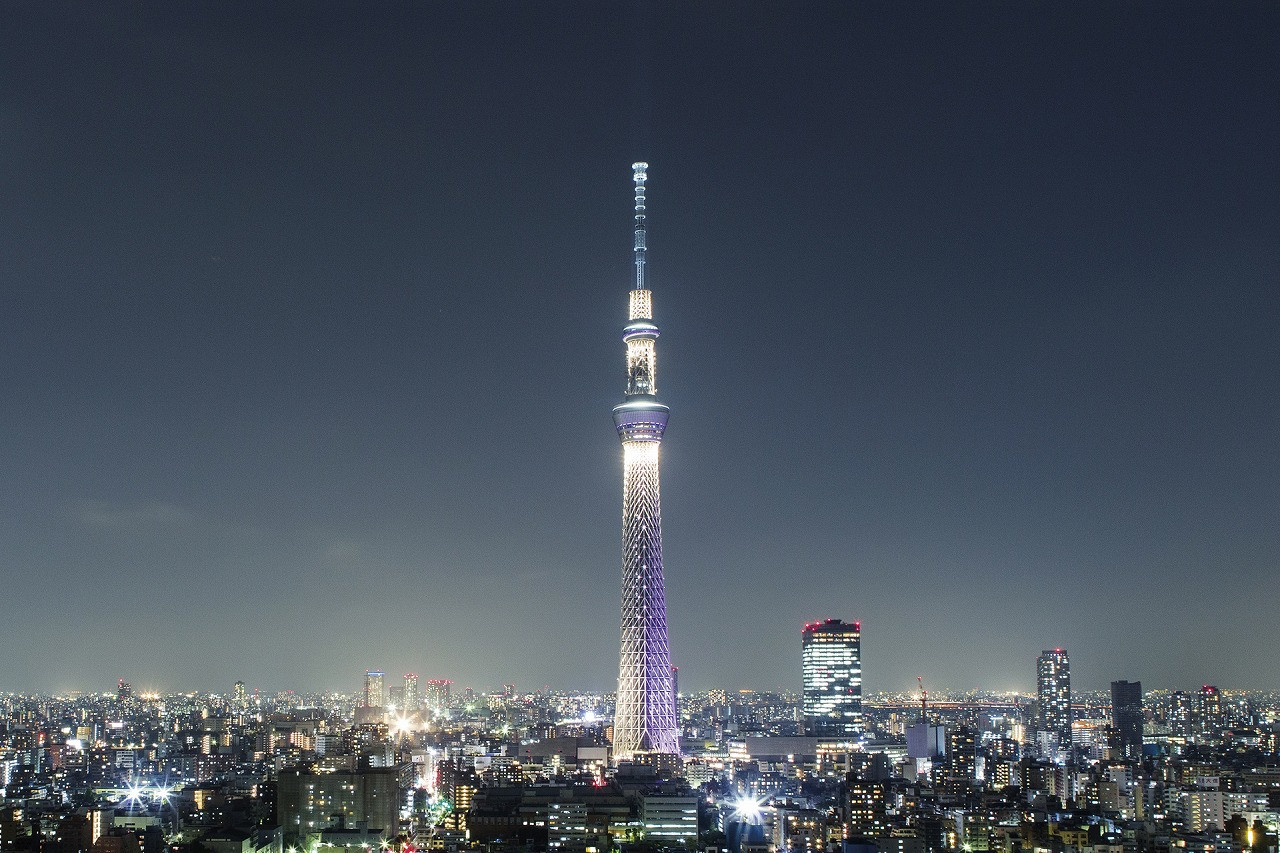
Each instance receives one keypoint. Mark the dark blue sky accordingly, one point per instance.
(309, 332)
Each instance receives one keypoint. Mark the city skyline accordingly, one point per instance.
(210, 773)
(907, 699)
(1033, 693)
(970, 317)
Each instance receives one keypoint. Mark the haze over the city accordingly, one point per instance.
(311, 323)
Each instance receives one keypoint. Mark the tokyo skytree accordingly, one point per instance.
(645, 719)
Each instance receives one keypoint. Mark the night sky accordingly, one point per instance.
(310, 330)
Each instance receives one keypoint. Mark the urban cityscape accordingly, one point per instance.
(966, 323)
(407, 763)
(410, 763)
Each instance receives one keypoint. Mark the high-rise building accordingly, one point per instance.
(1180, 713)
(670, 819)
(1053, 696)
(645, 717)
(961, 765)
(437, 694)
(412, 695)
(866, 809)
(1127, 717)
(1208, 710)
(307, 801)
(459, 784)
(831, 663)
(375, 688)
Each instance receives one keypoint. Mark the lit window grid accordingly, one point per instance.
(1054, 693)
(832, 674)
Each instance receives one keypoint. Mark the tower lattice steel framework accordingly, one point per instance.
(645, 719)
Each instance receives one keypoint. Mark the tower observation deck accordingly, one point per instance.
(645, 719)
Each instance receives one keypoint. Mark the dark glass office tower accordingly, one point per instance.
(1127, 717)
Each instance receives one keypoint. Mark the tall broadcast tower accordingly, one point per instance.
(645, 720)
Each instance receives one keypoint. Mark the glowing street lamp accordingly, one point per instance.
(748, 809)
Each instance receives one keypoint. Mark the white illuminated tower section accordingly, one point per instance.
(645, 720)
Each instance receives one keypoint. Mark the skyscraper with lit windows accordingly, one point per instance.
(1179, 713)
(412, 696)
(831, 663)
(437, 696)
(375, 695)
(1208, 710)
(1053, 696)
(645, 715)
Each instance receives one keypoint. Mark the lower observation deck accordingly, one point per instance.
(641, 419)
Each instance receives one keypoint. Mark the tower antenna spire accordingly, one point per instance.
(639, 174)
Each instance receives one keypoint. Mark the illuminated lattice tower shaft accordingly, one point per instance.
(645, 720)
